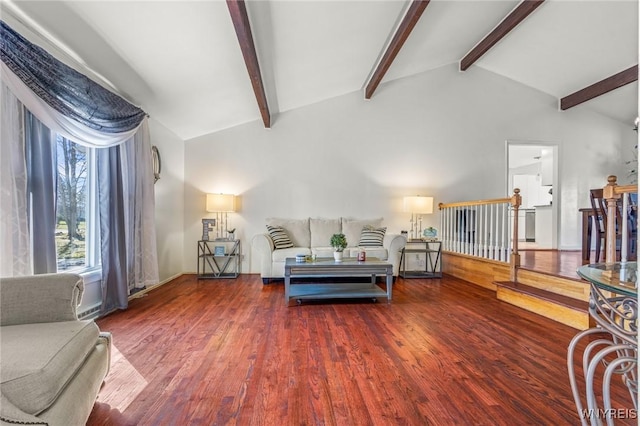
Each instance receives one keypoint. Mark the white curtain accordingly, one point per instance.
(140, 204)
(135, 146)
(15, 254)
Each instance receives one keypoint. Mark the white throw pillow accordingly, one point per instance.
(297, 229)
(280, 237)
(372, 237)
(352, 228)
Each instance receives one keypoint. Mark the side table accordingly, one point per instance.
(428, 252)
(218, 259)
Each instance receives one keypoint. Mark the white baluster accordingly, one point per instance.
(474, 236)
(487, 232)
(483, 230)
(499, 221)
(624, 239)
(504, 229)
(492, 234)
(467, 230)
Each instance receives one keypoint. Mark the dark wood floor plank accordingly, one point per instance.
(231, 352)
(563, 263)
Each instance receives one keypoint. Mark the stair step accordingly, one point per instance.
(564, 309)
(573, 288)
(546, 295)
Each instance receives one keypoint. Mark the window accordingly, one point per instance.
(76, 220)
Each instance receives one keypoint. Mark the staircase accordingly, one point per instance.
(561, 299)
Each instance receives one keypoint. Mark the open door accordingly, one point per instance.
(532, 167)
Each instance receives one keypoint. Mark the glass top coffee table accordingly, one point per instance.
(321, 279)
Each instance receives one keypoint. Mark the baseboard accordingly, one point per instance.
(146, 290)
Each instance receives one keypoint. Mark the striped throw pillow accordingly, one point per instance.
(280, 237)
(372, 237)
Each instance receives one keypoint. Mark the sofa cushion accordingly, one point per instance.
(352, 228)
(379, 253)
(372, 237)
(321, 252)
(281, 255)
(322, 230)
(280, 237)
(297, 229)
(39, 359)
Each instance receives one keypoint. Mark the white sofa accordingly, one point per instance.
(312, 236)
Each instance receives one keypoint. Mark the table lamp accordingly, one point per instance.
(417, 206)
(221, 205)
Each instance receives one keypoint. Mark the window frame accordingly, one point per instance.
(92, 259)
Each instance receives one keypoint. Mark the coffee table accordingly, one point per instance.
(327, 268)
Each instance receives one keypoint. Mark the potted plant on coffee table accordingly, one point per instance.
(339, 243)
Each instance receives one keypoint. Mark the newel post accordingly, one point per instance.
(516, 201)
(611, 198)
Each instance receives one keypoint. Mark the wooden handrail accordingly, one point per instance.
(625, 189)
(475, 203)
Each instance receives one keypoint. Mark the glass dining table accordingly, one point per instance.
(610, 347)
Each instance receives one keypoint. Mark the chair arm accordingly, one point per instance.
(394, 243)
(40, 298)
(264, 247)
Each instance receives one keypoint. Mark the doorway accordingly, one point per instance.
(532, 167)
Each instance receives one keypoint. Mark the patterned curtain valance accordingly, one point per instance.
(64, 89)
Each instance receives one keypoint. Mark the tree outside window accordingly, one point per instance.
(71, 228)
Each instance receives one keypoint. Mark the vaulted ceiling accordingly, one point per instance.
(183, 63)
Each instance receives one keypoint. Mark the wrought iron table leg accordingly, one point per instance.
(571, 370)
(589, 378)
(622, 365)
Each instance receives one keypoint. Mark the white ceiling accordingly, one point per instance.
(181, 62)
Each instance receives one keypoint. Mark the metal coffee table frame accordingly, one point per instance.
(328, 268)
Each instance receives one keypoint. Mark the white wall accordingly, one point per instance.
(441, 133)
(169, 191)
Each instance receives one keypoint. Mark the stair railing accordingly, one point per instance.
(620, 221)
(485, 229)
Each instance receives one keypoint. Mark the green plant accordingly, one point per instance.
(338, 242)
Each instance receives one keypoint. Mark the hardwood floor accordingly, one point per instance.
(557, 262)
(443, 352)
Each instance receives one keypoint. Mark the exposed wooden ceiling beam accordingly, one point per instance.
(600, 88)
(240, 18)
(399, 37)
(517, 15)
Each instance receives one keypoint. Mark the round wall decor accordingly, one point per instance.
(157, 163)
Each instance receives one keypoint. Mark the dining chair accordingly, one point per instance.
(598, 204)
(600, 212)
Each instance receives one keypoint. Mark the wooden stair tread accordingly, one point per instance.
(551, 274)
(545, 295)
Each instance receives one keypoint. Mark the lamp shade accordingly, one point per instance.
(221, 203)
(418, 204)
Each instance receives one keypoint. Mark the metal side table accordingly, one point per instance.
(428, 253)
(218, 259)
